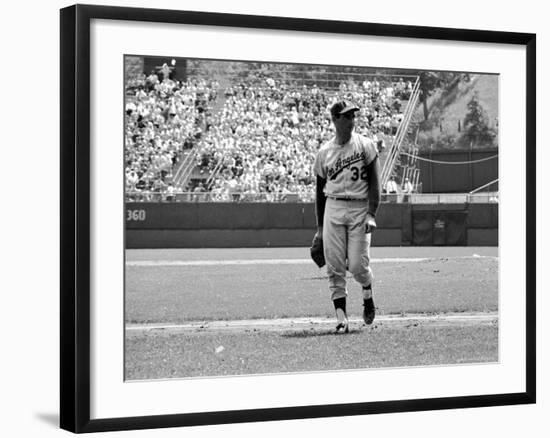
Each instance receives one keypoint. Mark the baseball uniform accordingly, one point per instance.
(347, 198)
(344, 168)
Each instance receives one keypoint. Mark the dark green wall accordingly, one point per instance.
(457, 178)
(229, 225)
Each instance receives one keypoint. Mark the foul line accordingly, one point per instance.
(311, 321)
(285, 261)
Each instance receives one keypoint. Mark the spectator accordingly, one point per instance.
(263, 139)
(391, 190)
(407, 190)
(170, 193)
(233, 187)
(198, 193)
(131, 179)
(165, 70)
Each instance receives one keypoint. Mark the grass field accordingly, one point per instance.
(247, 311)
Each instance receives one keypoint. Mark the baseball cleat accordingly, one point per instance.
(368, 311)
(342, 327)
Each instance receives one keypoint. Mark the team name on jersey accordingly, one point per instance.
(343, 163)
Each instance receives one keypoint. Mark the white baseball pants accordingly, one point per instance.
(346, 244)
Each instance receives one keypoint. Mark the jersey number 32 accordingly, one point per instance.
(356, 173)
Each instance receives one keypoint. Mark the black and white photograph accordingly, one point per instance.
(268, 218)
(275, 219)
(291, 218)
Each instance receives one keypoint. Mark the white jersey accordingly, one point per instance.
(345, 166)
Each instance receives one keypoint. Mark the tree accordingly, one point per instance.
(476, 123)
(431, 81)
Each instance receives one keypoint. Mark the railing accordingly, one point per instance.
(412, 198)
(442, 198)
(179, 196)
(410, 171)
(329, 80)
(484, 186)
(400, 135)
(184, 171)
(181, 165)
(211, 179)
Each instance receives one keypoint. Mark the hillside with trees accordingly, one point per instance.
(457, 110)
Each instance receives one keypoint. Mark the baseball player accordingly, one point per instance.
(347, 198)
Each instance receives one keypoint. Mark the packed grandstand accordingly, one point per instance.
(252, 139)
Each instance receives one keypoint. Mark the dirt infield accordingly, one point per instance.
(284, 324)
(161, 354)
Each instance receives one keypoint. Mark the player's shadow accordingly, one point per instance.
(313, 333)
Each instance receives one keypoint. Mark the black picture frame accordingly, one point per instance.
(75, 217)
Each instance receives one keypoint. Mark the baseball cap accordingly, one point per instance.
(343, 107)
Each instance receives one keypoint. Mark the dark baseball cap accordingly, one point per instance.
(342, 107)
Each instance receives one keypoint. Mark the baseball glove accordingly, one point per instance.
(317, 251)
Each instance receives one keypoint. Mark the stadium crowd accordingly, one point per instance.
(259, 145)
(163, 119)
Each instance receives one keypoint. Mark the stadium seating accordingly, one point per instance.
(163, 120)
(259, 143)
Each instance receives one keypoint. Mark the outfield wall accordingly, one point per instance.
(479, 167)
(230, 225)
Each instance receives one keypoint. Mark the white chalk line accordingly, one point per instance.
(303, 322)
(161, 263)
